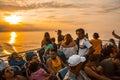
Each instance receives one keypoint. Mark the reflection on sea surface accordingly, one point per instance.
(9, 48)
(13, 37)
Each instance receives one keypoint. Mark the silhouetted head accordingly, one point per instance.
(53, 53)
(33, 66)
(68, 39)
(7, 72)
(46, 35)
(80, 33)
(59, 32)
(52, 39)
(75, 63)
(96, 35)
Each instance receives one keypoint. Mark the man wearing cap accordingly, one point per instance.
(75, 72)
(84, 46)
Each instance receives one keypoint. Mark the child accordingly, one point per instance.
(37, 73)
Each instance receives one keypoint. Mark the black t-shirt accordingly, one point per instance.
(108, 67)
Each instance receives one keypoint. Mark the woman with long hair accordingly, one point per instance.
(68, 46)
(9, 74)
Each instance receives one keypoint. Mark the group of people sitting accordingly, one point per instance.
(80, 59)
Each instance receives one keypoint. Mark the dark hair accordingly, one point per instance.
(48, 40)
(59, 31)
(112, 40)
(92, 58)
(117, 56)
(46, 35)
(80, 30)
(33, 66)
(29, 55)
(53, 50)
(53, 39)
(12, 55)
(107, 50)
(96, 35)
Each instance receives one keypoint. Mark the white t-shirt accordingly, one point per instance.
(69, 51)
(84, 46)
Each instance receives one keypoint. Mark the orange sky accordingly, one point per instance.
(63, 14)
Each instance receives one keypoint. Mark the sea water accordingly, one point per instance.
(23, 41)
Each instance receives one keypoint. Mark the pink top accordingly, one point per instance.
(39, 74)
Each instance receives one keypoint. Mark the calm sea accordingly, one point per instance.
(23, 41)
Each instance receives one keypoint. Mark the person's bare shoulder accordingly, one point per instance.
(19, 77)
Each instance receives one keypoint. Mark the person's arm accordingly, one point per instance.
(89, 46)
(91, 50)
(49, 64)
(63, 64)
(42, 43)
(100, 70)
(19, 77)
(46, 52)
(49, 46)
(91, 73)
(115, 35)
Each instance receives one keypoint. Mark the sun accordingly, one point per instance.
(13, 19)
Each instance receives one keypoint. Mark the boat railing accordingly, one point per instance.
(22, 52)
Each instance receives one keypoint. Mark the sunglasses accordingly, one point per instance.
(10, 70)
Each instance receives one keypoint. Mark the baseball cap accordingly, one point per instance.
(74, 60)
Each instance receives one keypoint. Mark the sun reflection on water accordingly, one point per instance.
(13, 37)
(9, 48)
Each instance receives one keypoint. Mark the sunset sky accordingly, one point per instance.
(60, 14)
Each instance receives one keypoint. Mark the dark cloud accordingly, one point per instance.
(110, 6)
(56, 5)
(103, 7)
(23, 27)
(6, 6)
(14, 6)
(112, 9)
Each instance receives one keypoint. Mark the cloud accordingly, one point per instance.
(56, 5)
(11, 6)
(108, 6)
(14, 6)
(7, 14)
(99, 6)
(4, 27)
